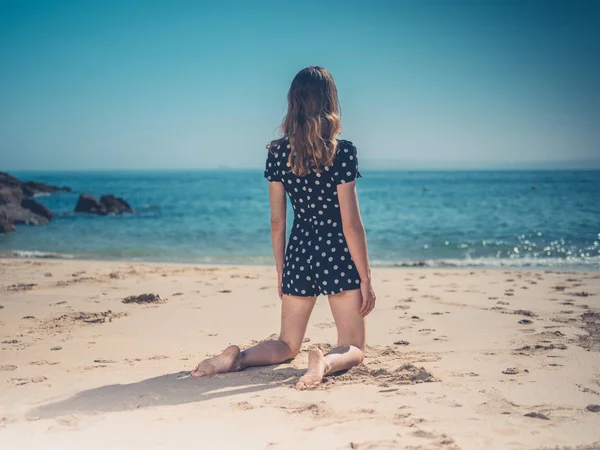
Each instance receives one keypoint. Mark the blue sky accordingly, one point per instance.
(192, 84)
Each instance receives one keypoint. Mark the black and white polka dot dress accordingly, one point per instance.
(317, 258)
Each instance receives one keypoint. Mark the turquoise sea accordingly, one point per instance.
(461, 218)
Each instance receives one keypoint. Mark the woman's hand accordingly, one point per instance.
(368, 298)
(280, 285)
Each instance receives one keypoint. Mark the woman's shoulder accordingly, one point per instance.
(278, 144)
(345, 149)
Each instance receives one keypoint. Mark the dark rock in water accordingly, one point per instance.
(6, 225)
(37, 208)
(14, 209)
(16, 205)
(89, 204)
(115, 205)
(108, 204)
(10, 195)
(7, 180)
(32, 188)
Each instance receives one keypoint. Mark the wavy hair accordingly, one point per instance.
(312, 121)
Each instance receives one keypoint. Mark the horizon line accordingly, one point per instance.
(370, 169)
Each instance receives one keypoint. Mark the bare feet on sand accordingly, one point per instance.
(316, 370)
(228, 361)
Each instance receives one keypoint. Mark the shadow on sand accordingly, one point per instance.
(168, 390)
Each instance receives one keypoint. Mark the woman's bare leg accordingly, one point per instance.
(295, 312)
(350, 348)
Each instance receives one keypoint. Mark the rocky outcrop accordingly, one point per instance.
(115, 205)
(89, 204)
(16, 206)
(33, 188)
(30, 188)
(6, 226)
(108, 204)
(18, 210)
(37, 208)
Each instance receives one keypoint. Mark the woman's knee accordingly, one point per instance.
(293, 347)
(361, 346)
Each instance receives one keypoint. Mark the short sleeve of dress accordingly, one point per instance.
(346, 165)
(272, 167)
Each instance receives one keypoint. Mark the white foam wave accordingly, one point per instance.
(37, 254)
(591, 263)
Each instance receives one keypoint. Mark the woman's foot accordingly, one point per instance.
(316, 370)
(228, 361)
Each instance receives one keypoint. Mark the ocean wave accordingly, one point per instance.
(35, 254)
(592, 263)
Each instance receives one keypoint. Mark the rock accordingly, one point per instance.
(30, 188)
(33, 188)
(108, 204)
(10, 195)
(593, 408)
(115, 205)
(89, 204)
(37, 208)
(15, 209)
(6, 225)
(16, 206)
(7, 180)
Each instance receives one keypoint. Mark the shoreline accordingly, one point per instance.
(555, 266)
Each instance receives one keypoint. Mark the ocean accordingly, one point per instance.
(544, 219)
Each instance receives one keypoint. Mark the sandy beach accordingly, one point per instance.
(465, 359)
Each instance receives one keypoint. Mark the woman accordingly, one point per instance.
(327, 251)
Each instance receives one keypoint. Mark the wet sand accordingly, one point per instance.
(465, 359)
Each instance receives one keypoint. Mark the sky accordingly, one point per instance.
(202, 84)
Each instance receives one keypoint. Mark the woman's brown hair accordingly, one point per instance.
(312, 121)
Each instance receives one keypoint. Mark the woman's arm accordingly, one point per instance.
(278, 217)
(354, 232)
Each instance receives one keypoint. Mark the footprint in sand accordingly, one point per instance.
(426, 330)
(7, 368)
(23, 381)
(244, 406)
(537, 415)
(325, 325)
(404, 307)
(525, 322)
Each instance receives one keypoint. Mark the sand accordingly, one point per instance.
(469, 359)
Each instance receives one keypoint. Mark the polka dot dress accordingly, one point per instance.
(317, 258)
